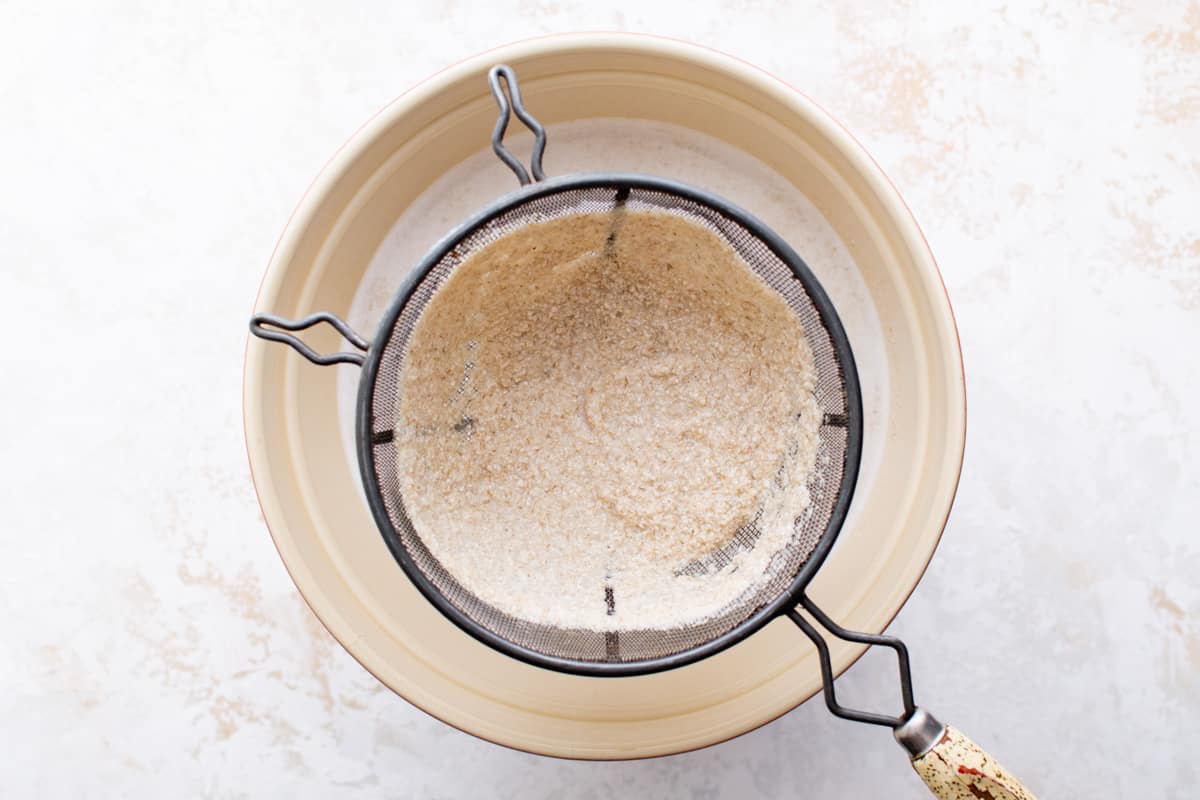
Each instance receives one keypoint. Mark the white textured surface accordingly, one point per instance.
(153, 642)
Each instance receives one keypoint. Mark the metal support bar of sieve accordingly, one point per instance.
(539, 133)
(827, 677)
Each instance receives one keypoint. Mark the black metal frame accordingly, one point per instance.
(784, 604)
(827, 676)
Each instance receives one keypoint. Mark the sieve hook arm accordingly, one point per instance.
(827, 666)
(950, 764)
(505, 72)
(275, 329)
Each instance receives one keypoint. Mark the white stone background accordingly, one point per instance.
(150, 153)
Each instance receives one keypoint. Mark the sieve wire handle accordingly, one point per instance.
(495, 76)
(859, 638)
(275, 329)
(952, 766)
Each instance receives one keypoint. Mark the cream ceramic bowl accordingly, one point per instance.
(310, 491)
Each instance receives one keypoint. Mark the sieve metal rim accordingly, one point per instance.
(787, 599)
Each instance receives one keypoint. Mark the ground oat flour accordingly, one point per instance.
(592, 402)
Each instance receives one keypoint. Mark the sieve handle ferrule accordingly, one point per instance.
(503, 72)
(955, 768)
(275, 329)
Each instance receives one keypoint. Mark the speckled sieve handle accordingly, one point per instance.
(955, 768)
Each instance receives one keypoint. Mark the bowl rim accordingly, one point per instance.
(660, 46)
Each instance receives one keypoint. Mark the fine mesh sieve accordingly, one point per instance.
(630, 644)
(946, 760)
